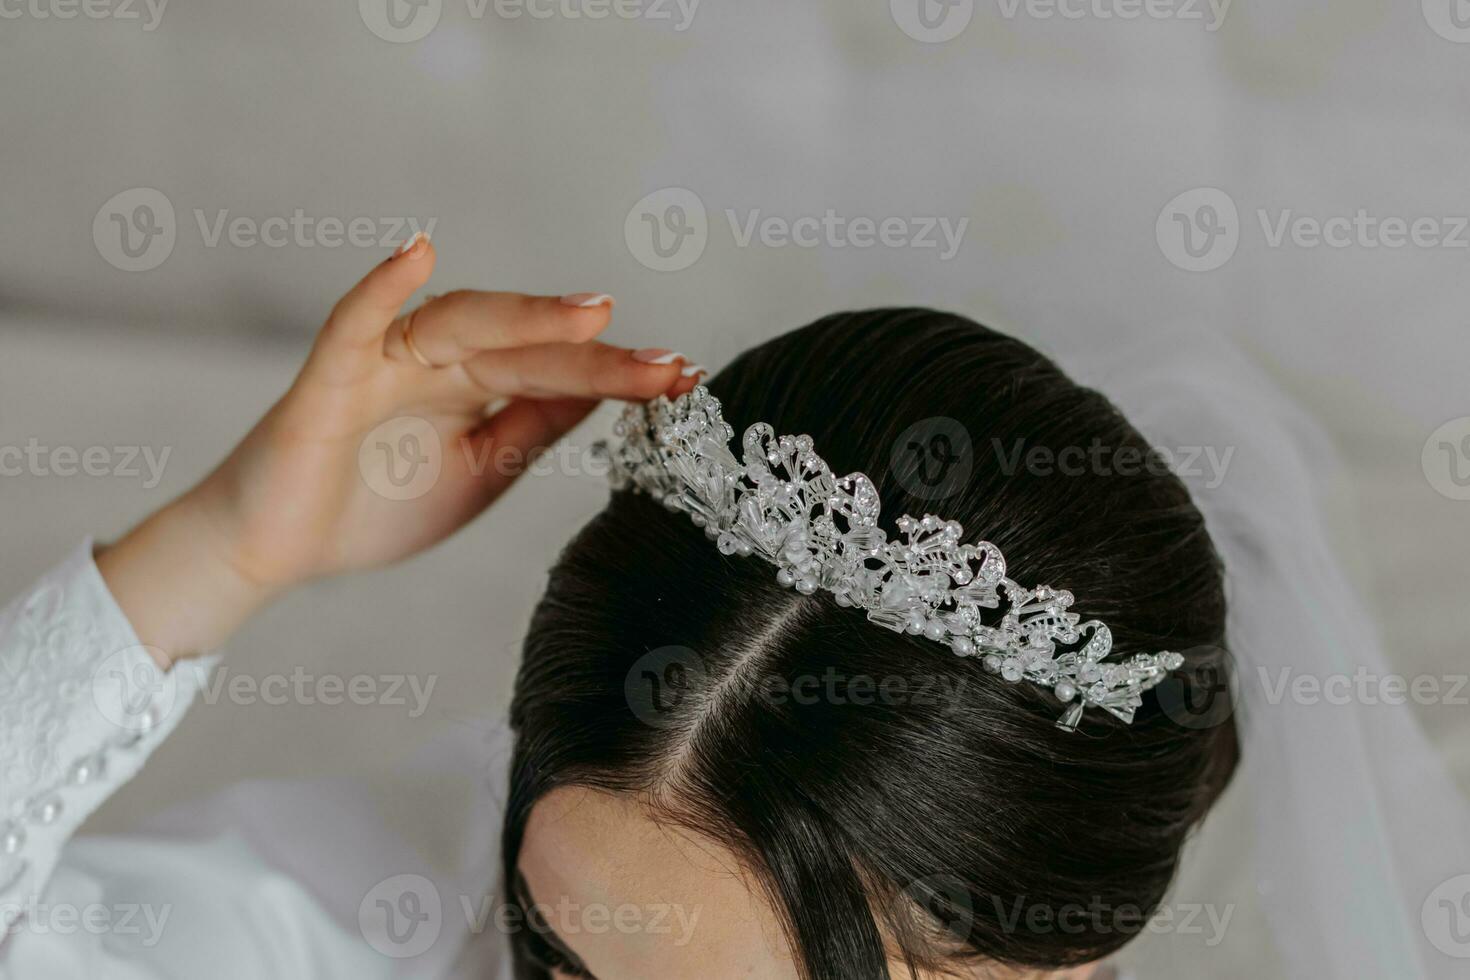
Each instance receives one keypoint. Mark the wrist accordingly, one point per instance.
(175, 578)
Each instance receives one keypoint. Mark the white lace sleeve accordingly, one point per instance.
(286, 879)
(82, 704)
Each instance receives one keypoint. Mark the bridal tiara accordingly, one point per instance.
(782, 502)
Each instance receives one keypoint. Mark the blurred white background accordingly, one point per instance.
(1093, 171)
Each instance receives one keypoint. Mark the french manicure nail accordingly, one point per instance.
(585, 301)
(658, 355)
(692, 370)
(412, 245)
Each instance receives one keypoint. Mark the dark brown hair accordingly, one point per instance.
(910, 826)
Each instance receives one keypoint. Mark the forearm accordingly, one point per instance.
(173, 578)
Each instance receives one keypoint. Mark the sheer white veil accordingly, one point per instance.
(1349, 816)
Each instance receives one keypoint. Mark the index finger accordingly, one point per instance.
(585, 371)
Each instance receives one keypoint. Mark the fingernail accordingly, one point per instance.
(417, 245)
(585, 301)
(658, 355)
(693, 370)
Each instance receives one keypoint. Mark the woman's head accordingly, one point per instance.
(791, 790)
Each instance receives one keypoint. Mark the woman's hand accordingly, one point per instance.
(293, 503)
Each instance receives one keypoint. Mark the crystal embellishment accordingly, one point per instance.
(781, 501)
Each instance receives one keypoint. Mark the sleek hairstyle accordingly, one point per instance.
(925, 828)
